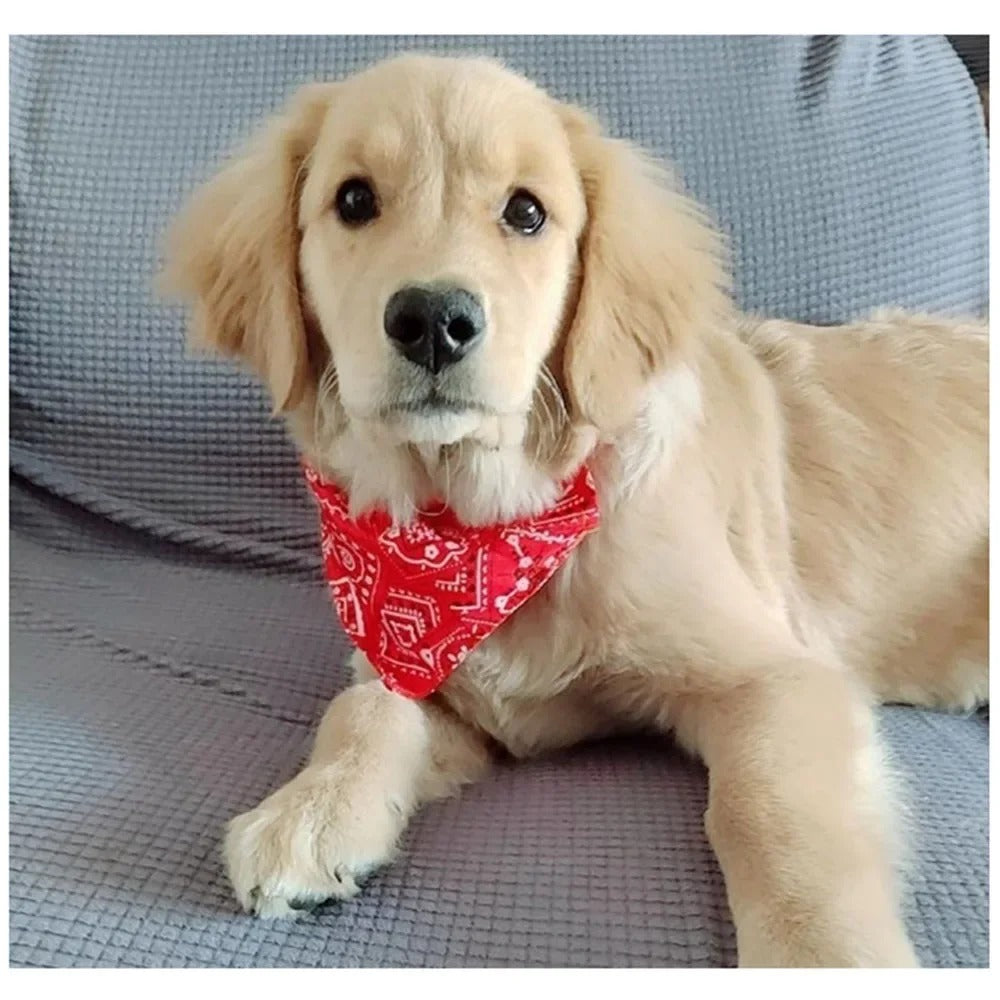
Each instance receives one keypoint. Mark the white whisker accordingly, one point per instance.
(327, 386)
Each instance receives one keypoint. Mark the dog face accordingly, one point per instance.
(437, 252)
(439, 223)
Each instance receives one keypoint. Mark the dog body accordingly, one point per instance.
(794, 519)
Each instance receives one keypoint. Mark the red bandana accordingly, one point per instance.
(418, 598)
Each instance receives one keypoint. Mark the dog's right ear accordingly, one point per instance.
(233, 251)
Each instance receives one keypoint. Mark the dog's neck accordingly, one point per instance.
(495, 477)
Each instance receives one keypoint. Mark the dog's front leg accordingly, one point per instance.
(797, 819)
(377, 757)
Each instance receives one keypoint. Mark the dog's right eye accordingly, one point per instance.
(356, 202)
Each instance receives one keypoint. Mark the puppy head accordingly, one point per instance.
(439, 224)
(441, 253)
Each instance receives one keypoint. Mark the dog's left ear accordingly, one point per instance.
(651, 277)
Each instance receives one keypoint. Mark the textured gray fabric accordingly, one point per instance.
(172, 645)
(155, 695)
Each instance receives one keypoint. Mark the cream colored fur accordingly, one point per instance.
(794, 519)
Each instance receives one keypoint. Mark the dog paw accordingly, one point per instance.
(312, 840)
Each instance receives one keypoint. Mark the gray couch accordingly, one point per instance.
(172, 644)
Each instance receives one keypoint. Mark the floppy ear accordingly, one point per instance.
(233, 252)
(651, 276)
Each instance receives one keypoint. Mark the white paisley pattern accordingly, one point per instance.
(418, 598)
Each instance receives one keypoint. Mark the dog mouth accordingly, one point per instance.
(433, 418)
(434, 403)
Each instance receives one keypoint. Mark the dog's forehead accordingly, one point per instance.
(467, 112)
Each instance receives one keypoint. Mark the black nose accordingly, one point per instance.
(434, 326)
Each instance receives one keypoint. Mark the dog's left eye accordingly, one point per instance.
(356, 202)
(524, 212)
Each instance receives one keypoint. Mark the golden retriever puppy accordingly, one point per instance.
(458, 289)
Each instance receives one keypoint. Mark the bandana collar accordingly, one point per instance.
(418, 598)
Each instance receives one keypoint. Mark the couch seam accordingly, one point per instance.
(178, 670)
